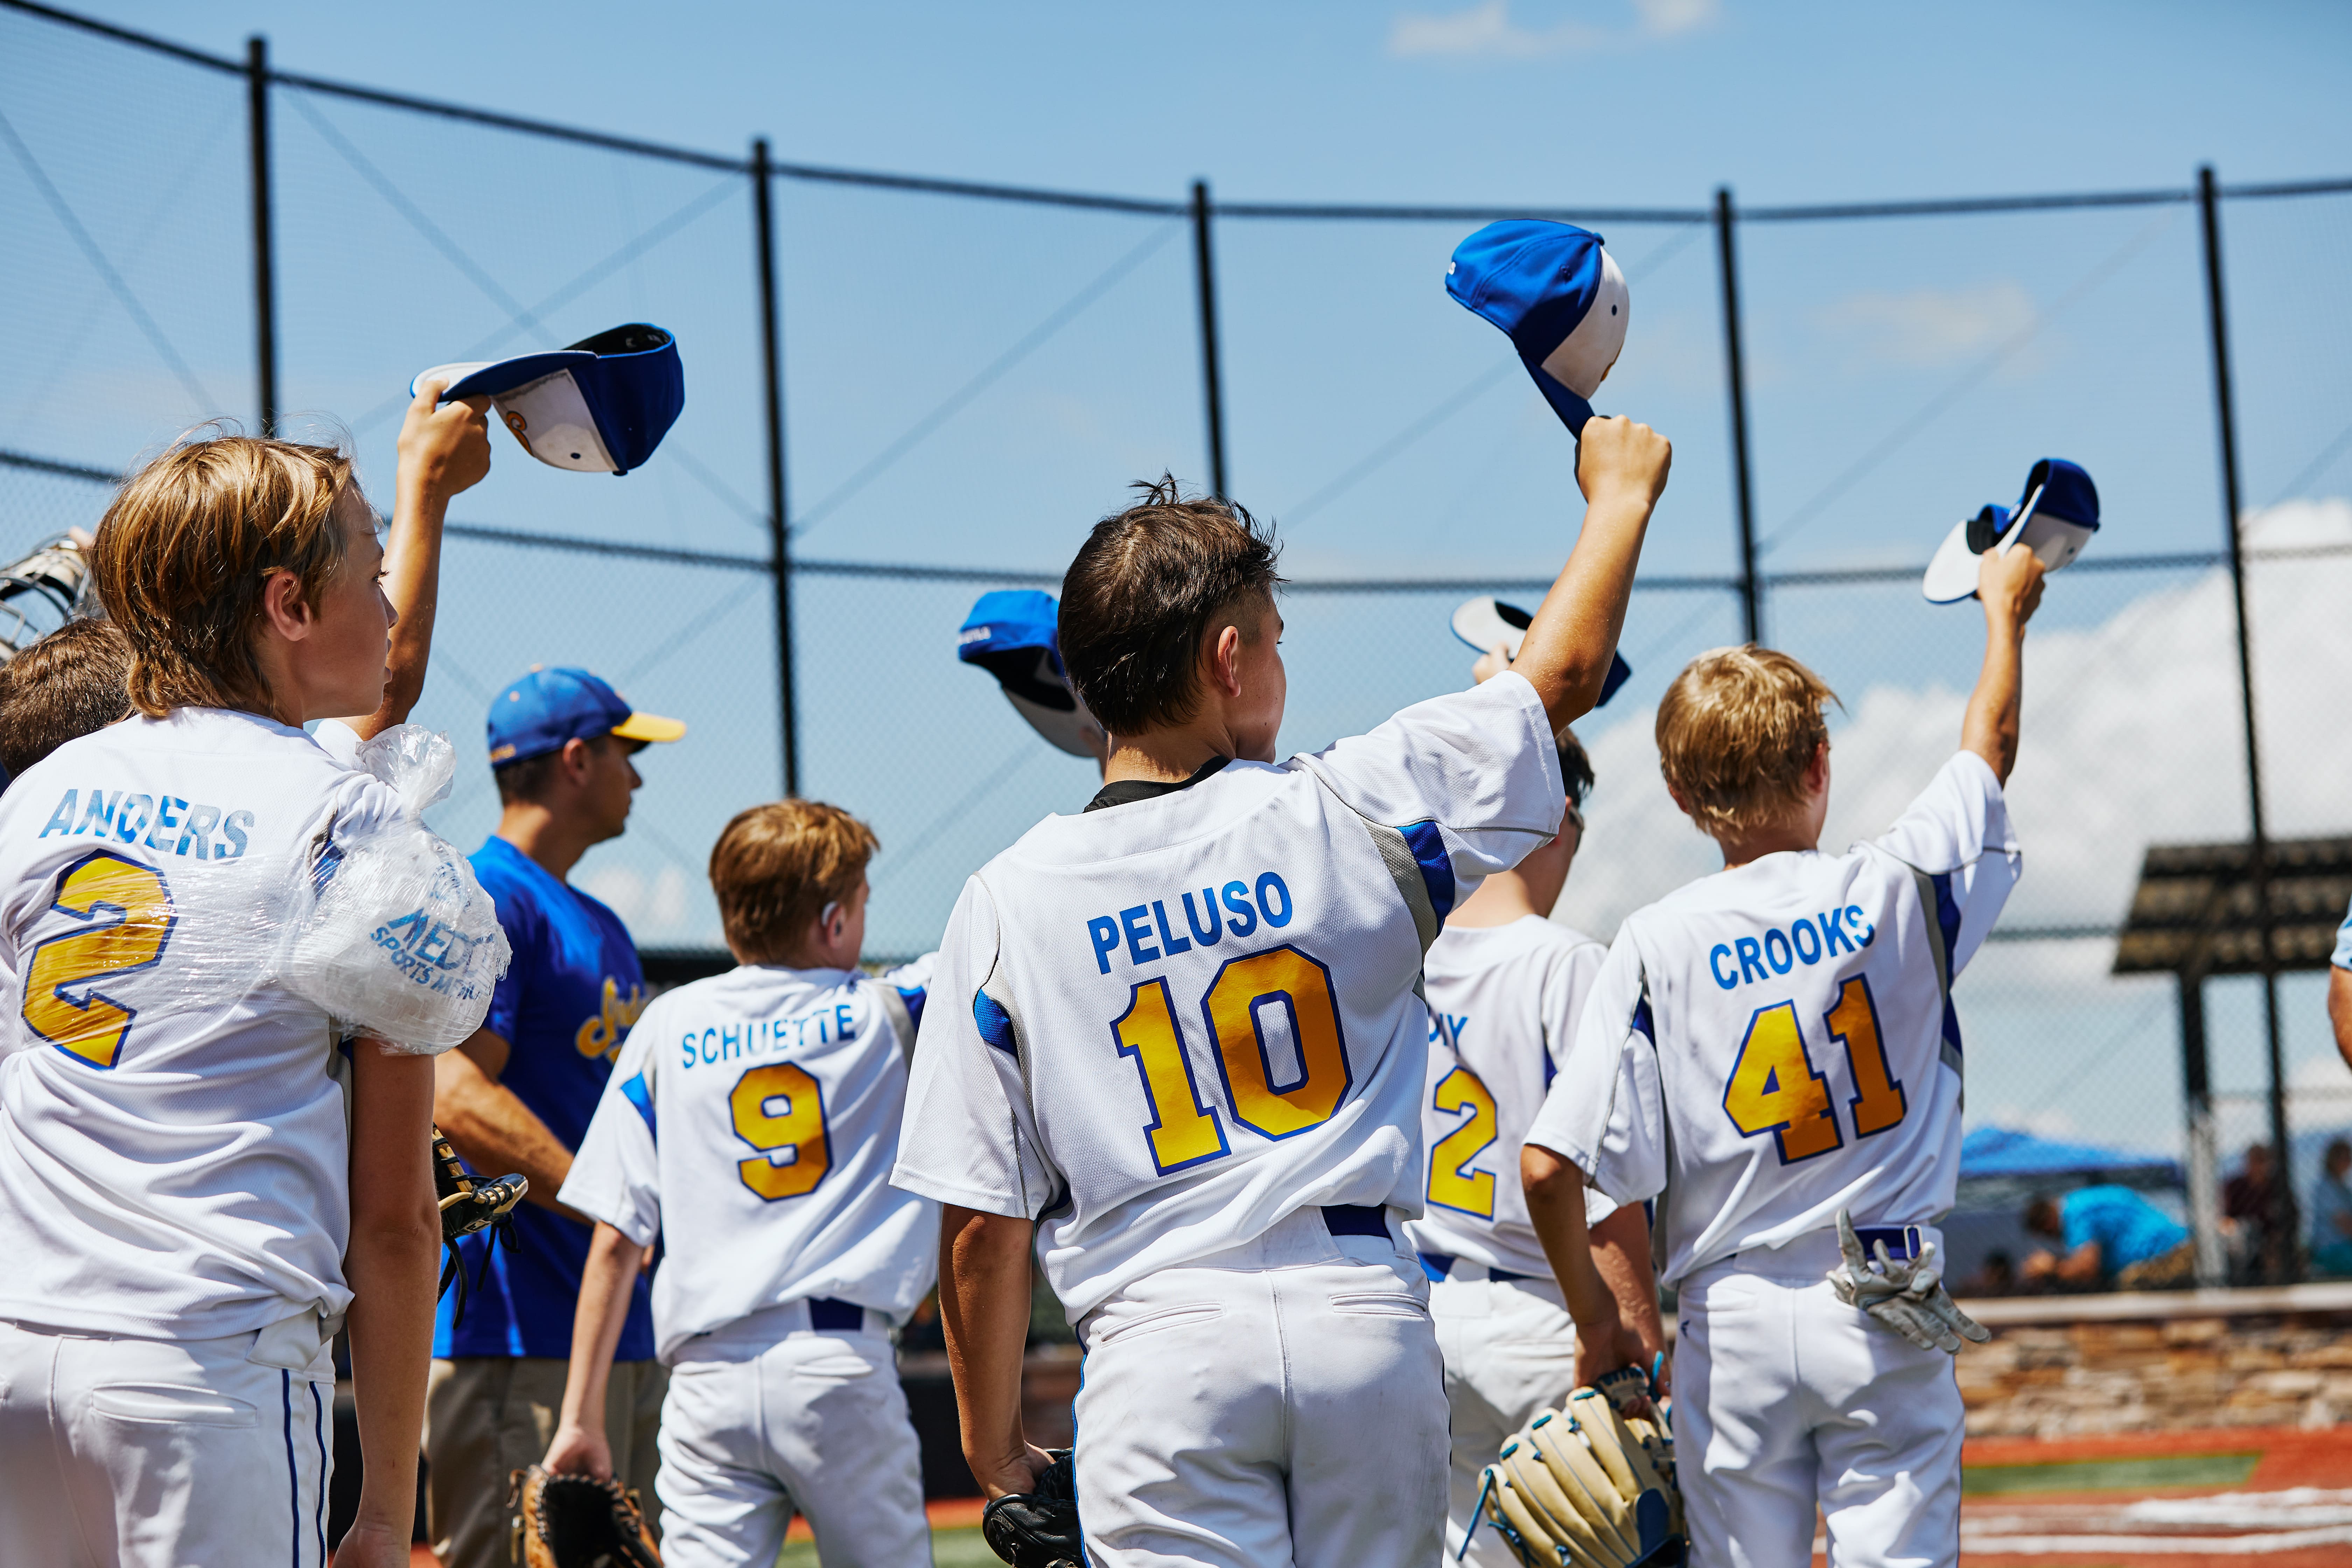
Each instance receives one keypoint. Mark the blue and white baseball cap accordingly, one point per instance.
(1013, 633)
(600, 407)
(545, 709)
(1491, 625)
(2055, 517)
(1557, 292)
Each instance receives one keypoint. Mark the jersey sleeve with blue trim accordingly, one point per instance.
(617, 1176)
(1605, 1112)
(970, 1136)
(1472, 778)
(1958, 833)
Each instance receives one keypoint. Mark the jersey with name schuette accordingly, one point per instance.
(1160, 1027)
(1502, 1006)
(174, 1160)
(1790, 1020)
(752, 1121)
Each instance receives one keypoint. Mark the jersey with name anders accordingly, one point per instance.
(1502, 1006)
(168, 1167)
(752, 1121)
(1775, 1043)
(1160, 1027)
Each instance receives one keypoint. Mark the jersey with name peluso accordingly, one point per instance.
(1502, 1006)
(1161, 1026)
(752, 1121)
(1772, 1044)
(174, 1160)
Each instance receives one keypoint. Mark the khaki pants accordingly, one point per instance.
(486, 1416)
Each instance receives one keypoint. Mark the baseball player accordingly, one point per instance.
(186, 1217)
(1505, 986)
(1774, 1048)
(750, 1123)
(1180, 1049)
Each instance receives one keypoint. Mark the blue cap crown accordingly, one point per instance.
(1556, 291)
(601, 405)
(538, 713)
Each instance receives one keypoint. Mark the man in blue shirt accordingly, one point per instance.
(2114, 1237)
(518, 1096)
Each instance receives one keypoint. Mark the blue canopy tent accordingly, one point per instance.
(1990, 1153)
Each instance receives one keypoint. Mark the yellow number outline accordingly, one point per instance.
(1231, 1007)
(1766, 1076)
(1148, 1031)
(1449, 1165)
(802, 1130)
(94, 1028)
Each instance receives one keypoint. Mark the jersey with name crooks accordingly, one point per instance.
(174, 1160)
(1772, 1044)
(1160, 1027)
(751, 1121)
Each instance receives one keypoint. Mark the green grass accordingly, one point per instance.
(2152, 1473)
(950, 1549)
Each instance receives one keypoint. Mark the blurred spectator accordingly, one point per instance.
(2331, 1213)
(1995, 1277)
(2250, 1211)
(2114, 1239)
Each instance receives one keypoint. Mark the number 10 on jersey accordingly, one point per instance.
(1774, 1088)
(1185, 1129)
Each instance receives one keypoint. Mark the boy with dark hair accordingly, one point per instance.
(783, 1273)
(1179, 1045)
(72, 681)
(1773, 1048)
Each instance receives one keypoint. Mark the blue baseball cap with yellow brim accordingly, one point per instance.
(546, 708)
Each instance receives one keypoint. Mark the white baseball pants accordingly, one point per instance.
(1277, 1405)
(768, 1417)
(1786, 1399)
(1510, 1351)
(123, 1453)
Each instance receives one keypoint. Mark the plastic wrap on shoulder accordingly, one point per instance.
(390, 933)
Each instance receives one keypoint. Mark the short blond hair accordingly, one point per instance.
(183, 554)
(776, 867)
(1737, 732)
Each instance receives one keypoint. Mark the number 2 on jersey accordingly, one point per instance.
(778, 1108)
(1452, 1183)
(1774, 1087)
(1185, 1129)
(93, 1026)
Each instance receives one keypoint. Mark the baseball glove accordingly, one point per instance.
(1908, 1295)
(1038, 1529)
(1588, 1487)
(575, 1522)
(469, 1204)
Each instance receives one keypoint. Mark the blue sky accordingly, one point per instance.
(1901, 373)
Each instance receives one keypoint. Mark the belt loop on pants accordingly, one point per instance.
(1357, 1219)
(828, 1315)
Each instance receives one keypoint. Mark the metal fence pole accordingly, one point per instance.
(265, 261)
(1750, 601)
(1204, 265)
(2204, 1164)
(2283, 1236)
(772, 368)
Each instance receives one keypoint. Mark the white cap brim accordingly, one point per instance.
(1952, 575)
(1480, 625)
(1073, 732)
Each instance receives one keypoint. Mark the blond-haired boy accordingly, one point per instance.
(1773, 1047)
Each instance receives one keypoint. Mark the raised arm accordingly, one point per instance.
(442, 451)
(1621, 466)
(2009, 584)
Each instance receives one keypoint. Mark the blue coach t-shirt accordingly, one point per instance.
(564, 1007)
(2127, 1228)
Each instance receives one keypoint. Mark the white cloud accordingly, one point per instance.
(1931, 326)
(2130, 736)
(1486, 31)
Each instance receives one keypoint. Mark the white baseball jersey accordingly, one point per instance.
(1502, 1006)
(1163, 1026)
(168, 1167)
(1772, 1044)
(751, 1120)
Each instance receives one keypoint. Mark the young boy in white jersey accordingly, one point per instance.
(751, 1121)
(1505, 985)
(1774, 1048)
(187, 1217)
(1179, 1049)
